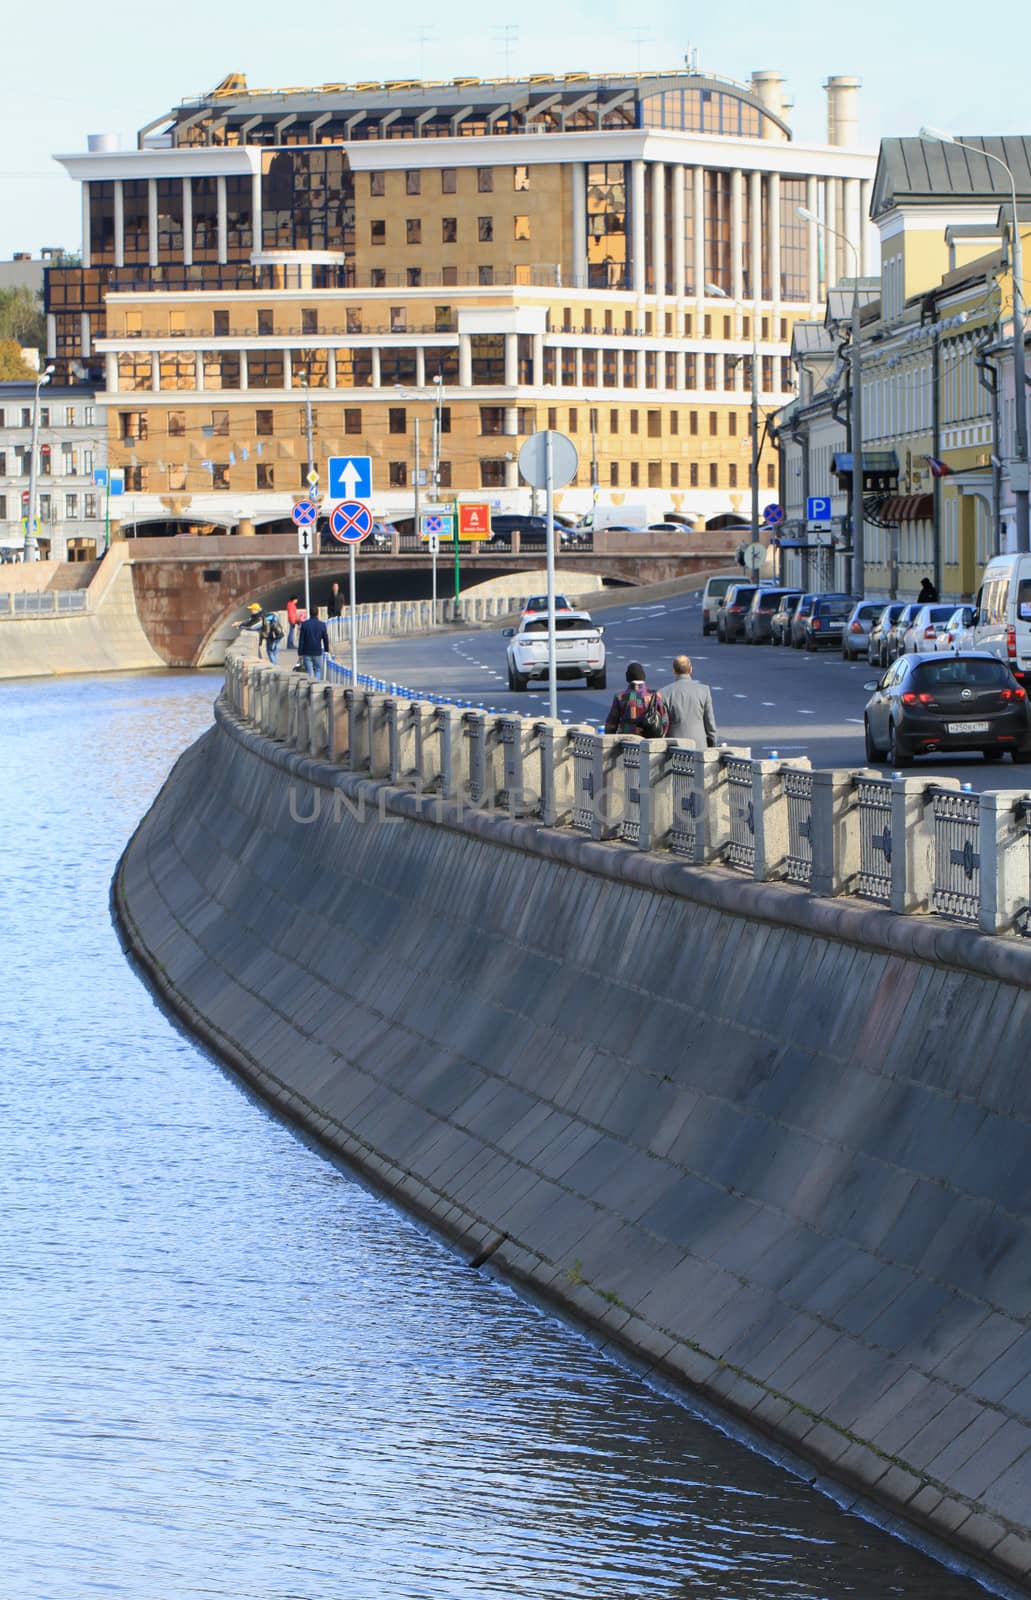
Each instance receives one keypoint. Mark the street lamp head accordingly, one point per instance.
(936, 136)
(809, 216)
(714, 289)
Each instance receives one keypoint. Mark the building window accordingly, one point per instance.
(71, 505)
(492, 419)
(574, 421)
(634, 424)
(413, 230)
(90, 503)
(220, 475)
(674, 474)
(44, 416)
(674, 422)
(732, 424)
(378, 232)
(655, 474)
(655, 424)
(413, 277)
(378, 278)
(220, 324)
(449, 230)
(264, 424)
(485, 229)
(46, 508)
(693, 474)
(353, 419)
(613, 474)
(176, 424)
(613, 421)
(771, 475)
(88, 416)
(412, 182)
(714, 475)
(377, 183)
(133, 426)
(485, 180)
(443, 474)
(485, 275)
(398, 474)
(354, 320)
(220, 423)
(443, 321)
(714, 424)
(635, 474)
(521, 177)
(732, 475)
(266, 322)
(398, 319)
(309, 320)
(492, 472)
(448, 180)
(522, 227)
(526, 419)
(397, 420)
(265, 475)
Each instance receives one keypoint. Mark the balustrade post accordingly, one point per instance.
(769, 817)
(357, 729)
(427, 745)
(452, 752)
(835, 839)
(557, 787)
(517, 737)
(607, 796)
(379, 734)
(403, 741)
(1005, 850)
(281, 701)
(318, 720)
(912, 844)
(337, 729)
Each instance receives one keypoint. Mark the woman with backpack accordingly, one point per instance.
(272, 633)
(638, 709)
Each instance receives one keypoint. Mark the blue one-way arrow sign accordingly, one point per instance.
(350, 477)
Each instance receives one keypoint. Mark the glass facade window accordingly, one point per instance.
(170, 219)
(136, 209)
(205, 219)
(717, 229)
(265, 369)
(178, 371)
(239, 219)
(488, 358)
(607, 225)
(102, 223)
(706, 111)
(307, 200)
(794, 239)
(134, 372)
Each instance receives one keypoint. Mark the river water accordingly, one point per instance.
(229, 1372)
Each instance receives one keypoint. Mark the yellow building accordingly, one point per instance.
(439, 270)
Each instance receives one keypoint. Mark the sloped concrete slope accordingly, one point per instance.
(787, 1169)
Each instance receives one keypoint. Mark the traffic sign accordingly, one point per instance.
(773, 514)
(305, 539)
(818, 508)
(533, 459)
(100, 477)
(755, 555)
(437, 525)
(304, 513)
(474, 520)
(350, 522)
(116, 481)
(312, 479)
(350, 477)
(433, 544)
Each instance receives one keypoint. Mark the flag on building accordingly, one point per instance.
(939, 469)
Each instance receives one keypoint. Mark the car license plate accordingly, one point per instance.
(966, 727)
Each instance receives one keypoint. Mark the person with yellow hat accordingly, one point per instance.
(254, 622)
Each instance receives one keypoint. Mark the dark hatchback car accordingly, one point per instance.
(780, 622)
(825, 625)
(932, 704)
(759, 616)
(730, 618)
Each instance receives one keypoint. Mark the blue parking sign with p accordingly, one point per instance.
(818, 508)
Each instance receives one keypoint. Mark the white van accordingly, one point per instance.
(1002, 613)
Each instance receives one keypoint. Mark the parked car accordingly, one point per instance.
(957, 632)
(780, 622)
(759, 616)
(532, 531)
(893, 646)
(877, 644)
(579, 649)
(730, 619)
(855, 638)
(824, 627)
(1002, 613)
(930, 704)
(712, 598)
(921, 637)
(798, 619)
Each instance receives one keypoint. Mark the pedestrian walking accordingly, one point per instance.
(273, 636)
(689, 706)
(638, 709)
(313, 644)
(335, 604)
(292, 621)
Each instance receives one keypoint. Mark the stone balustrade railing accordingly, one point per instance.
(379, 620)
(43, 602)
(914, 845)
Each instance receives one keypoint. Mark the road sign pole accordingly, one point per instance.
(434, 547)
(354, 615)
(458, 585)
(549, 537)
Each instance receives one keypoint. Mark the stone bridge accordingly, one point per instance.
(188, 589)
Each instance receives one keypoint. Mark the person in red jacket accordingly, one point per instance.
(293, 619)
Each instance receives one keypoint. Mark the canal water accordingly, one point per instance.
(229, 1372)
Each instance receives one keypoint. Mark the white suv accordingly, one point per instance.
(579, 649)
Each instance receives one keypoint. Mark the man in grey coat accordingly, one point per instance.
(690, 707)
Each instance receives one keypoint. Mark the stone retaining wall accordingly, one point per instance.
(774, 1147)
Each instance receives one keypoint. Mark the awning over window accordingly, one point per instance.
(880, 462)
(906, 508)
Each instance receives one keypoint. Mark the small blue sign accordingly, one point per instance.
(437, 525)
(350, 522)
(350, 477)
(818, 508)
(773, 514)
(100, 477)
(116, 481)
(304, 513)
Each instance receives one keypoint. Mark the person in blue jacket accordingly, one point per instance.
(313, 644)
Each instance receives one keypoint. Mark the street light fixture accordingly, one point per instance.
(858, 585)
(30, 549)
(1019, 476)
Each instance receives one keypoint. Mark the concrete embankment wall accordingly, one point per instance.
(776, 1148)
(109, 637)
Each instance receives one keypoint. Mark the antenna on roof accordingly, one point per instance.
(424, 37)
(639, 36)
(506, 34)
(691, 58)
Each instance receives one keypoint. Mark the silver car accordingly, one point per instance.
(856, 637)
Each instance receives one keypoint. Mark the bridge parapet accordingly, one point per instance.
(913, 846)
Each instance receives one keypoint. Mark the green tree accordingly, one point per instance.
(21, 317)
(13, 365)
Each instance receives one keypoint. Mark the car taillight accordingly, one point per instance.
(911, 699)
(856, 627)
(930, 633)
(1013, 694)
(815, 624)
(1011, 642)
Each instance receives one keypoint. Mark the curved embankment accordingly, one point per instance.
(777, 1152)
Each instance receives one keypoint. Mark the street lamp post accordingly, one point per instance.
(30, 549)
(753, 472)
(858, 585)
(1019, 477)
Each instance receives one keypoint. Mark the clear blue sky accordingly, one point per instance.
(110, 67)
